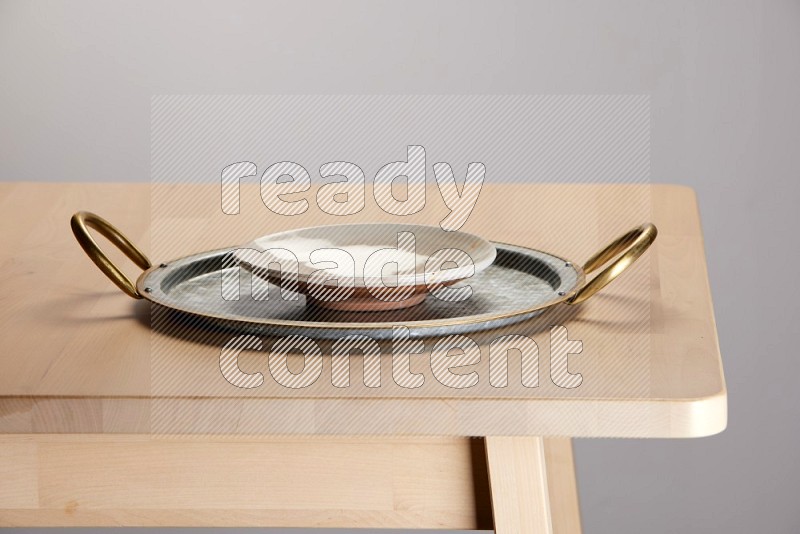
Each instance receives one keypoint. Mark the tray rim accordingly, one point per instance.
(146, 291)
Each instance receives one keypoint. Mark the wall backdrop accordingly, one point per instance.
(723, 77)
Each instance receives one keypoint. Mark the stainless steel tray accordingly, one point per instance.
(521, 284)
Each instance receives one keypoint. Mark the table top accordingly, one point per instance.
(77, 355)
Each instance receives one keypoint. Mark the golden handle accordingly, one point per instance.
(633, 244)
(81, 222)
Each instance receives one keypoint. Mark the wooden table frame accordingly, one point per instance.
(77, 449)
(520, 484)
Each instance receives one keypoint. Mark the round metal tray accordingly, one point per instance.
(519, 285)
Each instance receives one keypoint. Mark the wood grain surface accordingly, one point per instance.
(105, 480)
(79, 356)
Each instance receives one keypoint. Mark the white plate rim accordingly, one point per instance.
(412, 279)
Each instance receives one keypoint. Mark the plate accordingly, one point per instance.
(367, 267)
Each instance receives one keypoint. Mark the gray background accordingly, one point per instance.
(75, 87)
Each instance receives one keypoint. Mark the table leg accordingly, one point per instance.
(532, 483)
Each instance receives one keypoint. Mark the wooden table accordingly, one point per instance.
(92, 434)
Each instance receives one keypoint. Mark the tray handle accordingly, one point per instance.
(81, 222)
(633, 244)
